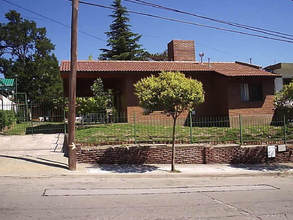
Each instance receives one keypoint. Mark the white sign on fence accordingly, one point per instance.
(271, 151)
(282, 148)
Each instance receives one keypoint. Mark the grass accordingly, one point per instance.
(122, 133)
(141, 133)
(17, 129)
(35, 128)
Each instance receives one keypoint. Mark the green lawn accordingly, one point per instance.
(120, 133)
(35, 128)
(128, 133)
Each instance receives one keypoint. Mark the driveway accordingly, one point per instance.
(31, 154)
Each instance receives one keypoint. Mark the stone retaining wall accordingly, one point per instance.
(185, 154)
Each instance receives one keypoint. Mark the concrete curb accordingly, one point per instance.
(76, 174)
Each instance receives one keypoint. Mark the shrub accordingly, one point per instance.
(284, 101)
(7, 118)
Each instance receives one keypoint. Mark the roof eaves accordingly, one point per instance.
(248, 64)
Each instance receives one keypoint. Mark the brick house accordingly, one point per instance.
(285, 70)
(230, 88)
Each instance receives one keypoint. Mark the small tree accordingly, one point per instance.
(284, 100)
(103, 98)
(171, 92)
(100, 102)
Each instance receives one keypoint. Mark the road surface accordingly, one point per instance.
(90, 197)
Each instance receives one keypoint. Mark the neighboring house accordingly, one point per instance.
(230, 88)
(5, 103)
(286, 72)
(6, 87)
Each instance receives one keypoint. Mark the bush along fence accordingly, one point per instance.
(20, 119)
(106, 129)
(7, 119)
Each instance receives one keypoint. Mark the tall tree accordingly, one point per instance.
(172, 93)
(122, 42)
(26, 54)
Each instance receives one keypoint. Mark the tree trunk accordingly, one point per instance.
(173, 145)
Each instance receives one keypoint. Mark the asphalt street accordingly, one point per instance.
(92, 197)
(36, 184)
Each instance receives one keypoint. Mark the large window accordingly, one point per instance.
(251, 92)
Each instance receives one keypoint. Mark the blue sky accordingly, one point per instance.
(218, 45)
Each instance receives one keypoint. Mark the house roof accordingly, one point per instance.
(288, 66)
(226, 69)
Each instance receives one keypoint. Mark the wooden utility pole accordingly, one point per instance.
(72, 88)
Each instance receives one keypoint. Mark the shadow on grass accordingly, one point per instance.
(45, 129)
(263, 167)
(45, 162)
(125, 168)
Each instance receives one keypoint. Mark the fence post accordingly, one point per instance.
(134, 128)
(284, 121)
(32, 118)
(190, 126)
(240, 129)
(64, 119)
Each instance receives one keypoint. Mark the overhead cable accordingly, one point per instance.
(234, 24)
(188, 22)
(52, 20)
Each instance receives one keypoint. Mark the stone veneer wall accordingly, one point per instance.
(185, 154)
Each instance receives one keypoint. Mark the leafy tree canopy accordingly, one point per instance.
(284, 99)
(156, 56)
(171, 92)
(122, 42)
(100, 102)
(26, 54)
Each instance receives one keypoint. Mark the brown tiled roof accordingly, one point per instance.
(227, 69)
(236, 69)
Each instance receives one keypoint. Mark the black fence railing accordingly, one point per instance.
(122, 129)
(17, 119)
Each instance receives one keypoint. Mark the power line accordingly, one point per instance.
(52, 20)
(188, 22)
(234, 24)
(208, 18)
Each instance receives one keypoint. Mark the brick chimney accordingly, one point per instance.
(181, 50)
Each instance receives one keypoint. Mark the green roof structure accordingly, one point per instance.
(7, 86)
(7, 83)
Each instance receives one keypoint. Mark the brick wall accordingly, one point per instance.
(181, 50)
(154, 118)
(185, 154)
(236, 106)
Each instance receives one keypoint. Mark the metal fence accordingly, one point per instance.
(120, 128)
(103, 128)
(20, 119)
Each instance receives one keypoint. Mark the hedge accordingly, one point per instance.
(7, 118)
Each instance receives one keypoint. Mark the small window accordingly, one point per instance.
(251, 92)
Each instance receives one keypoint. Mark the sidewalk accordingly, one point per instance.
(190, 170)
(54, 164)
(40, 156)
